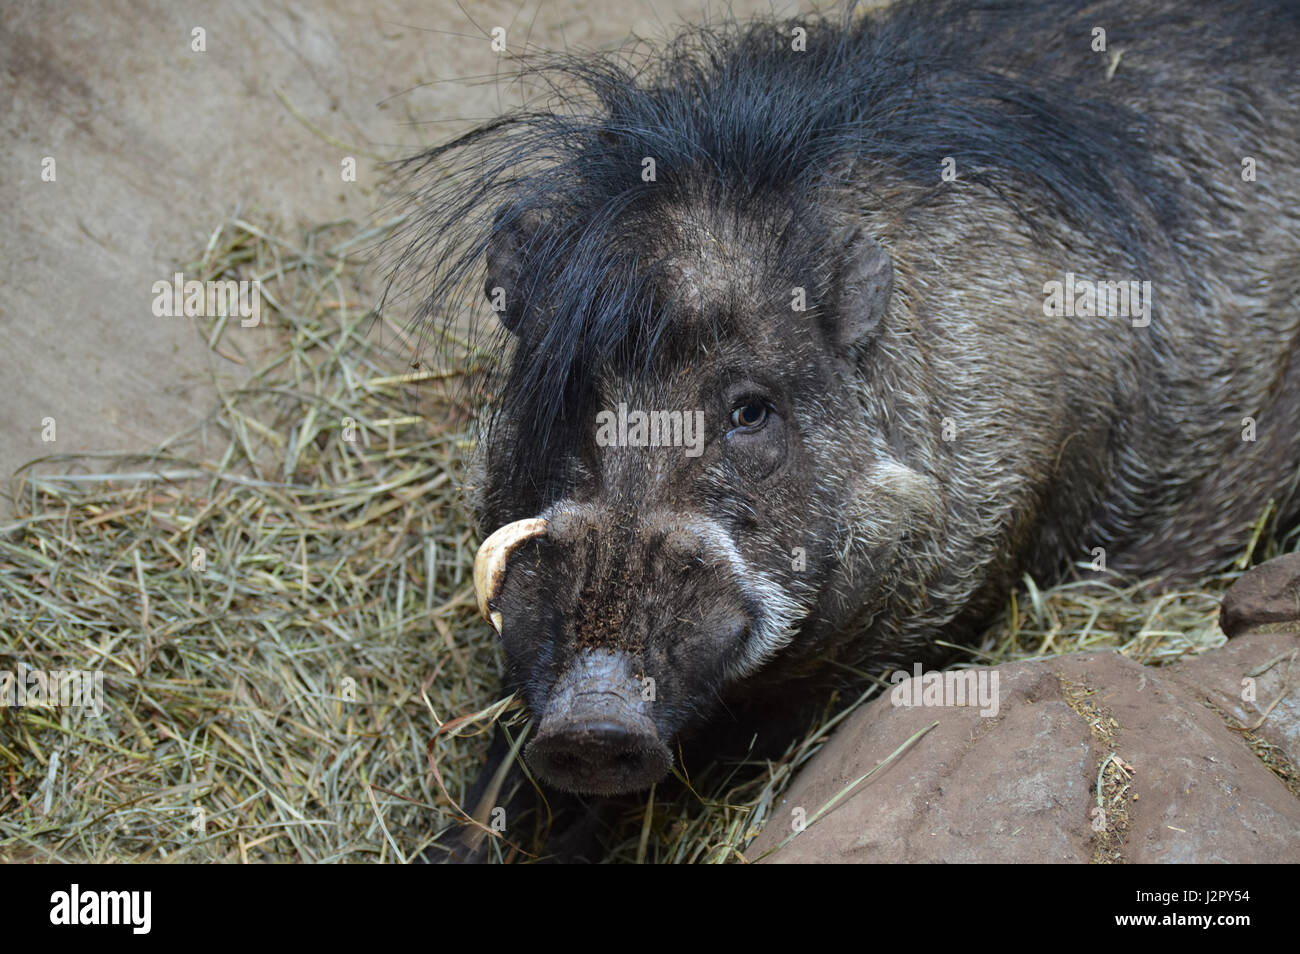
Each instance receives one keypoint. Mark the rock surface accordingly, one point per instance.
(1177, 783)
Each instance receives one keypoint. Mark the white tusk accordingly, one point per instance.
(493, 555)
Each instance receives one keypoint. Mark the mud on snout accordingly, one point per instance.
(622, 632)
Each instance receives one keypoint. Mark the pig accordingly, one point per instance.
(946, 294)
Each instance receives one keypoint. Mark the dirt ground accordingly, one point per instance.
(153, 142)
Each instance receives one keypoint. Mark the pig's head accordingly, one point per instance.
(680, 506)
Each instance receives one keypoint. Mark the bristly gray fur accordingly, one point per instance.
(933, 437)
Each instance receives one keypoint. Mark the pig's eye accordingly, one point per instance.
(750, 415)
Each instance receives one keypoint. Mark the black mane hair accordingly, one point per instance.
(733, 108)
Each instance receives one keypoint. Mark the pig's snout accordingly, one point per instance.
(597, 736)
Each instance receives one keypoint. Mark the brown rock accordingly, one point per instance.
(1177, 783)
(1255, 681)
(1266, 599)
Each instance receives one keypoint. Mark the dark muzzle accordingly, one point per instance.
(597, 736)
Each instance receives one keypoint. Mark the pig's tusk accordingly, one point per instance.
(493, 555)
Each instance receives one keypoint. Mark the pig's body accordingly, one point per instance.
(879, 468)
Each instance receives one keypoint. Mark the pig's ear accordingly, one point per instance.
(864, 281)
(512, 234)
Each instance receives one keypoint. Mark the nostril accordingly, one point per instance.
(602, 757)
(592, 746)
(610, 735)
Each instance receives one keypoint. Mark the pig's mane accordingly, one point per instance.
(734, 108)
